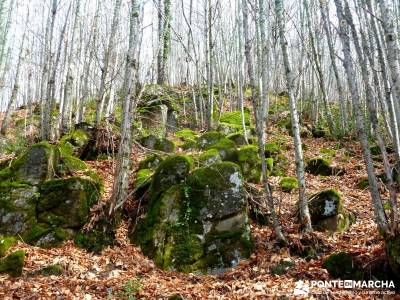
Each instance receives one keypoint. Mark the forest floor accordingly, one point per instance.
(124, 271)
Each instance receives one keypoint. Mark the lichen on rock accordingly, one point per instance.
(199, 224)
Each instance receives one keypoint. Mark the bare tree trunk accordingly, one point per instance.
(318, 67)
(106, 62)
(259, 115)
(121, 178)
(69, 80)
(48, 107)
(305, 218)
(392, 50)
(91, 47)
(342, 99)
(14, 93)
(209, 64)
(166, 42)
(160, 43)
(380, 215)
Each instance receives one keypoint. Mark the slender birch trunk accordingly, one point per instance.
(15, 89)
(259, 115)
(106, 62)
(305, 218)
(379, 211)
(121, 178)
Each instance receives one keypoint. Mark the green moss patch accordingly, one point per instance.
(13, 263)
(272, 149)
(51, 270)
(209, 157)
(250, 163)
(151, 162)
(321, 166)
(342, 265)
(172, 170)
(185, 134)
(6, 243)
(288, 184)
(235, 117)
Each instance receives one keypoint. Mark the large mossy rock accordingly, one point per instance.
(288, 184)
(320, 166)
(327, 212)
(75, 142)
(238, 138)
(209, 157)
(231, 122)
(173, 170)
(17, 208)
(154, 119)
(209, 138)
(66, 202)
(152, 162)
(159, 144)
(250, 163)
(343, 265)
(13, 263)
(200, 225)
(36, 165)
(39, 209)
(186, 134)
(217, 140)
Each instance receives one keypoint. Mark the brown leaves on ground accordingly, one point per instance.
(89, 276)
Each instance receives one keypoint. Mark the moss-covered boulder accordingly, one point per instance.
(17, 208)
(209, 138)
(151, 162)
(186, 134)
(250, 163)
(327, 212)
(321, 166)
(50, 270)
(164, 145)
(173, 170)
(39, 209)
(272, 149)
(149, 141)
(66, 202)
(238, 138)
(288, 184)
(159, 144)
(209, 157)
(13, 263)
(75, 142)
(36, 165)
(189, 144)
(226, 148)
(325, 204)
(154, 119)
(231, 122)
(200, 225)
(235, 117)
(344, 266)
